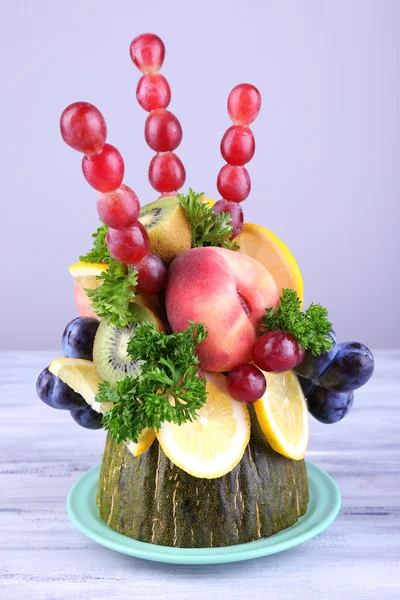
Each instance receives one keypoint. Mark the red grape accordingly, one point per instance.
(128, 245)
(83, 127)
(238, 145)
(276, 351)
(301, 356)
(236, 212)
(152, 275)
(119, 209)
(104, 171)
(244, 103)
(246, 383)
(147, 52)
(153, 92)
(162, 131)
(166, 172)
(234, 183)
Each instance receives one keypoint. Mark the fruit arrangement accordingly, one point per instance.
(192, 349)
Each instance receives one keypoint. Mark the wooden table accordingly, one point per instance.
(42, 556)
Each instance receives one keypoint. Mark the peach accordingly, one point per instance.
(226, 291)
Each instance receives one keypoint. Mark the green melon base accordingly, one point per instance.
(151, 500)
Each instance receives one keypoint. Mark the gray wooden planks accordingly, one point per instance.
(42, 556)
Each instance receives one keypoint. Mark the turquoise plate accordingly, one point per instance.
(322, 509)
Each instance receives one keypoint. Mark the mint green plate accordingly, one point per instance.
(322, 509)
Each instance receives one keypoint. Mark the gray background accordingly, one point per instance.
(325, 175)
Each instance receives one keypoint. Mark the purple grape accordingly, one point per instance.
(78, 338)
(312, 366)
(351, 368)
(306, 385)
(329, 407)
(86, 417)
(57, 394)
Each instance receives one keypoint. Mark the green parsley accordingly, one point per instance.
(208, 228)
(310, 328)
(112, 298)
(99, 253)
(167, 389)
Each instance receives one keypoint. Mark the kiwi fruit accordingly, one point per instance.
(110, 354)
(168, 228)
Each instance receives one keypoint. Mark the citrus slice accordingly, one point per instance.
(283, 415)
(270, 251)
(214, 443)
(85, 274)
(83, 378)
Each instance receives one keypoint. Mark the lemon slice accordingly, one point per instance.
(85, 274)
(83, 378)
(214, 443)
(283, 415)
(273, 254)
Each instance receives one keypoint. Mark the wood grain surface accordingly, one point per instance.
(43, 557)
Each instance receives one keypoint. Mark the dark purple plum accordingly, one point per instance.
(329, 407)
(351, 368)
(78, 338)
(86, 417)
(55, 393)
(312, 366)
(306, 385)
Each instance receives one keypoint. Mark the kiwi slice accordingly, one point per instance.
(110, 354)
(167, 226)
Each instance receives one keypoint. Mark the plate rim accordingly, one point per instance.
(279, 542)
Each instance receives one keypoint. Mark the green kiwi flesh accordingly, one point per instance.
(110, 347)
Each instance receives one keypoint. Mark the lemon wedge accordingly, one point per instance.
(85, 274)
(283, 415)
(83, 378)
(214, 443)
(273, 254)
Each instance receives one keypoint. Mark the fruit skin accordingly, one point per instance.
(226, 291)
(86, 417)
(166, 172)
(162, 131)
(119, 209)
(272, 252)
(262, 495)
(55, 393)
(244, 103)
(312, 366)
(168, 228)
(351, 368)
(236, 212)
(238, 145)
(152, 275)
(246, 383)
(128, 246)
(83, 128)
(306, 385)
(78, 338)
(104, 171)
(276, 352)
(147, 52)
(234, 183)
(329, 407)
(153, 92)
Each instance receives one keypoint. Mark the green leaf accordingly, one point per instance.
(99, 253)
(168, 388)
(208, 227)
(112, 298)
(310, 328)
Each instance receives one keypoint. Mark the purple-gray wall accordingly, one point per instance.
(325, 177)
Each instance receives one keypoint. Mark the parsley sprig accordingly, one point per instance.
(99, 253)
(111, 299)
(208, 227)
(310, 328)
(167, 389)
